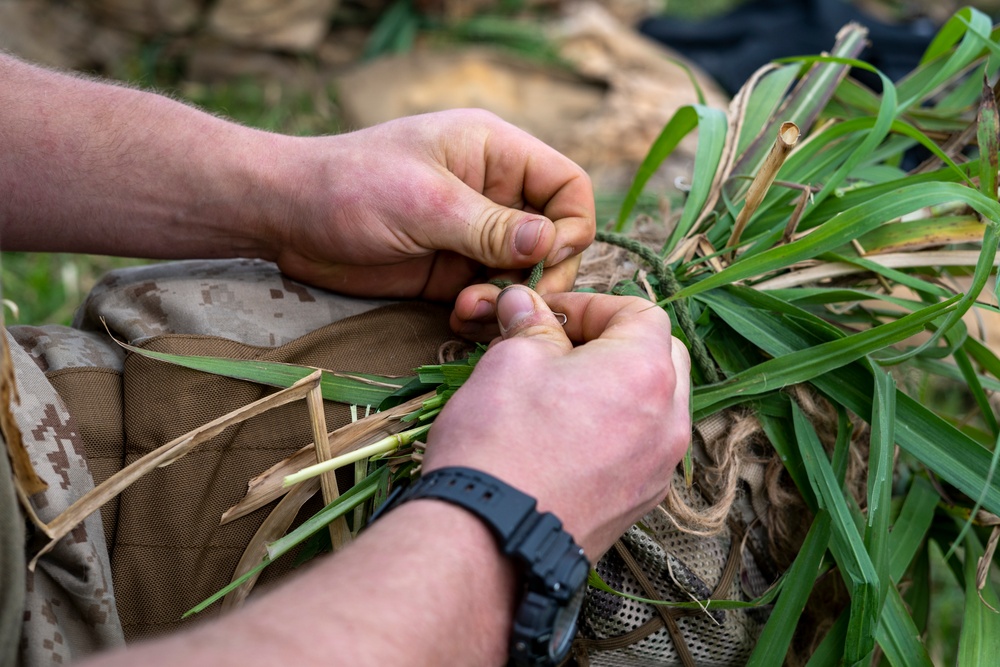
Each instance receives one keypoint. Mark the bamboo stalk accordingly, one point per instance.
(165, 455)
(788, 136)
(340, 536)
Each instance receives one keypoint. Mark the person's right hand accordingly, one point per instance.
(593, 432)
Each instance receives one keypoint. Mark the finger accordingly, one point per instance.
(522, 313)
(682, 393)
(524, 172)
(559, 278)
(605, 316)
(490, 233)
(474, 315)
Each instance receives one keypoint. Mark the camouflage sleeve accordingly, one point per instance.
(11, 565)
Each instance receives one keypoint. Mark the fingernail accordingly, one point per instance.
(527, 236)
(513, 305)
(482, 310)
(561, 255)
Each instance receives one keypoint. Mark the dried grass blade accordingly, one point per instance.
(984, 564)
(340, 535)
(901, 260)
(173, 450)
(274, 526)
(267, 486)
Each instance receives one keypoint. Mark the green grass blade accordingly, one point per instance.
(806, 364)
(953, 455)
(776, 637)
(778, 428)
(880, 473)
(680, 125)
(911, 526)
(847, 226)
(979, 642)
(712, 128)
(233, 585)
(977, 390)
(847, 545)
(764, 101)
(802, 106)
(988, 133)
(973, 27)
(351, 388)
(350, 499)
(897, 635)
(979, 278)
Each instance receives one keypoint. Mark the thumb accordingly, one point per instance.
(500, 237)
(523, 314)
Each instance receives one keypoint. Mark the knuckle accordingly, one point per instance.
(492, 234)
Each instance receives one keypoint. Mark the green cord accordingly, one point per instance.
(670, 287)
(531, 283)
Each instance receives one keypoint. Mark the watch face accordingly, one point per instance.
(565, 622)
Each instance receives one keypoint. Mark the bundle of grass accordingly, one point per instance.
(827, 291)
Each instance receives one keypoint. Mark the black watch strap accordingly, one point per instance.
(532, 538)
(553, 566)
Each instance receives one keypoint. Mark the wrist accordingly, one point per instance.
(266, 180)
(552, 568)
(471, 586)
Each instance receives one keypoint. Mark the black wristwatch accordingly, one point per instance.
(554, 568)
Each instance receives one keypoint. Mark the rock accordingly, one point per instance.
(152, 17)
(293, 25)
(604, 113)
(343, 48)
(537, 98)
(212, 62)
(59, 35)
(645, 84)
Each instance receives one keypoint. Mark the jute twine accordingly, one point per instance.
(729, 452)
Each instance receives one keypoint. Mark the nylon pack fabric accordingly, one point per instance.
(164, 548)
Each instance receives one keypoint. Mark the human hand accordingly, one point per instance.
(420, 206)
(593, 432)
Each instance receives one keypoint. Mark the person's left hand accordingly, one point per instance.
(424, 206)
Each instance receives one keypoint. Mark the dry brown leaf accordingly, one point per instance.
(273, 527)
(165, 455)
(268, 486)
(340, 534)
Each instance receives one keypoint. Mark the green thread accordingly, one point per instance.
(536, 275)
(531, 283)
(669, 286)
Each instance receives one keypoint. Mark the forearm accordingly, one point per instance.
(93, 167)
(426, 585)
